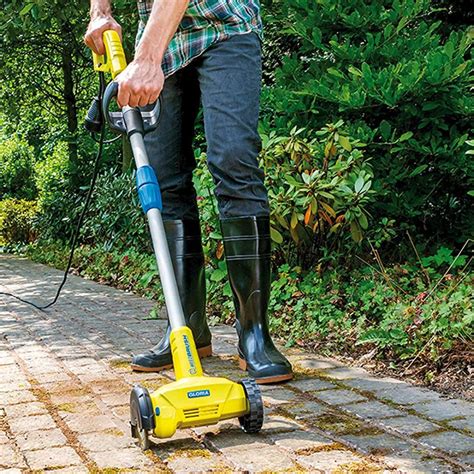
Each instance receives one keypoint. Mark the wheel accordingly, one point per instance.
(141, 416)
(252, 422)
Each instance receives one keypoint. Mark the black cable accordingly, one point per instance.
(75, 236)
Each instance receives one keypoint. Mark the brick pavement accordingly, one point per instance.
(65, 383)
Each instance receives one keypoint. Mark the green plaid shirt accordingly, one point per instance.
(204, 23)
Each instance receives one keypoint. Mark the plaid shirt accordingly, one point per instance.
(204, 23)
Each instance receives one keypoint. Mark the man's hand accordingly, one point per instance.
(95, 30)
(140, 83)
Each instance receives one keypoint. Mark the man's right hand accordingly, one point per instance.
(95, 30)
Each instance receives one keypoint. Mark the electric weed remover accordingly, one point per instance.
(193, 399)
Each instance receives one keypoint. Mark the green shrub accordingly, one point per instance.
(16, 221)
(16, 169)
(58, 207)
(319, 190)
(401, 85)
(115, 218)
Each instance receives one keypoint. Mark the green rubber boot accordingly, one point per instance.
(247, 251)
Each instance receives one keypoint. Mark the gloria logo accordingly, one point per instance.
(199, 393)
(192, 365)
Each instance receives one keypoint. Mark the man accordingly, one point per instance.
(208, 51)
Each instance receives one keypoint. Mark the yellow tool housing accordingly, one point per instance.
(114, 60)
(194, 399)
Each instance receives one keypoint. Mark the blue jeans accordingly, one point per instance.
(227, 80)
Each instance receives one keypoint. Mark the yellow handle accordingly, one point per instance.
(114, 59)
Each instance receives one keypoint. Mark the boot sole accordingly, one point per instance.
(265, 380)
(202, 352)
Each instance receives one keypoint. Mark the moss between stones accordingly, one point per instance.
(114, 432)
(120, 364)
(155, 384)
(320, 449)
(160, 466)
(190, 453)
(343, 424)
(111, 470)
(357, 467)
(295, 469)
(69, 407)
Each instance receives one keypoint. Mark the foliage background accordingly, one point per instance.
(367, 148)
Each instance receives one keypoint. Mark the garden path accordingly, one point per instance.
(65, 383)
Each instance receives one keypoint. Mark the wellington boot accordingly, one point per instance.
(247, 251)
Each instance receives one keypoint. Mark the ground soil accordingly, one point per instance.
(452, 374)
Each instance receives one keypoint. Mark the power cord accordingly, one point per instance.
(77, 231)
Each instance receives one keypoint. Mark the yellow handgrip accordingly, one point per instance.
(114, 60)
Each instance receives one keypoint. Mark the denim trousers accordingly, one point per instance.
(226, 80)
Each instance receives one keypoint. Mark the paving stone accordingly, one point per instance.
(409, 425)
(416, 462)
(6, 360)
(304, 410)
(204, 462)
(372, 410)
(106, 441)
(450, 441)
(268, 458)
(66, 393)
(43, 366)
(21, 396)
(445, 409)
(311, 384)
(14, 386)
(11, 370)
(13, 377)
(92, 378)
(278, 396)
(52, 458)
(116, 399)
(25, 409)
(327, 461)
(408, 395)
(378, 444)
(31, 423)
(111, 387)
(49, 377)
(120, 459)
(466, 424)
(344, 373)
(41, 439)
(468, 460)
(339, 397)
(317, 363)
(122, 412)
(374, 384)
(223, 348)
(88, 423)
(230, 441)
(298, 441)
(9, 457)
(277, 423)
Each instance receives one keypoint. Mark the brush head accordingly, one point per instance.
(195, 401)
